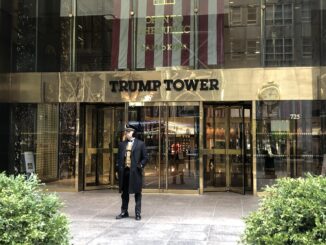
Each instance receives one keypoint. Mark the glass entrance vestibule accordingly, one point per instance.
(192, 147)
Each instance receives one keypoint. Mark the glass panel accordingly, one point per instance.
(288, 24)
(252, 47)
(210, 33)
(45, 35)
(252, 15)
(103, 132)
(23, 135)
(36, 144)
(247, 150)
(235, 15)
(180, 170)
(183, 165)
(235, 134)
(209, 128)
(152, 132)
(220, 128)
(236, 144)
(105, 161)
(241, 34)
(227, 148)
(37, 35)
(24, 50)
(97, 48)
(289, 140)
(236, 172)
(47, 142)
(165, 34)
(91, 147)
(67, 144)
(215, 170)
(117, 130)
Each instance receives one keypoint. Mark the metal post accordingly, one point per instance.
(200, 149)
(159, 146)
(254, 147)
(166, 145)
(77, 162)
(195, 33)
(73, 36)
(262, 32)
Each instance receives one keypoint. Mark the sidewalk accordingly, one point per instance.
(213, 218)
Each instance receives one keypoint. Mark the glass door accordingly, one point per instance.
(103, 132)
(227, 148)
(182, 167)
(170, 133)
(148, 122)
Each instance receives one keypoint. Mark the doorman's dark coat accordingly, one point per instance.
(138, 162)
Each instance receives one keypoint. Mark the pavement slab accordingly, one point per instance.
(212, 218)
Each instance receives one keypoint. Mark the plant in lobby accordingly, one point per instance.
(292, 212)
(28, 215)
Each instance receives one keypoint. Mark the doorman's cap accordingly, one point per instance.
(129, 128)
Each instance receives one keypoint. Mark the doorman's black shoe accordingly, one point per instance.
(138, 217)
(122, 215)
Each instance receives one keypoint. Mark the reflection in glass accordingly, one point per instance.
(290, 140)
(67, 144)
(149, 129)
(183, 165)
(104, 130)
(174, 127)
(227, 143)
(35, 130)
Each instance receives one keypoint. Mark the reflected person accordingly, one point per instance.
(131, 160)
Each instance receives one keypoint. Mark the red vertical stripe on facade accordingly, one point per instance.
(167, 36)
(185, 38)
(115, 35)
(202, 33)
(149, 53)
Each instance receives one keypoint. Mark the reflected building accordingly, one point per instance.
(227, 95)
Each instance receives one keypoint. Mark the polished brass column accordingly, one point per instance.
(254, 148)
(200, 147)
(77, 186)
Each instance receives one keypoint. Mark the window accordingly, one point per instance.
(252, 15)
(236, 49)
(306, 47)
(279, 52)
(252, 47)
(290, 139)
(235, 15)
(305, 12)
(279, 14)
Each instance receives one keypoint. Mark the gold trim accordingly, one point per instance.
(254, 150)
(215, 189)
(201, 146)
(241, 84)
(170, 191)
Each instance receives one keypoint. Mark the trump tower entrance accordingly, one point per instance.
(192, 147)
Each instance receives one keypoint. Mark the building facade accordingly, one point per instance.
(227, 95)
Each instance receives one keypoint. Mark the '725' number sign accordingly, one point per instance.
(295, 116)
